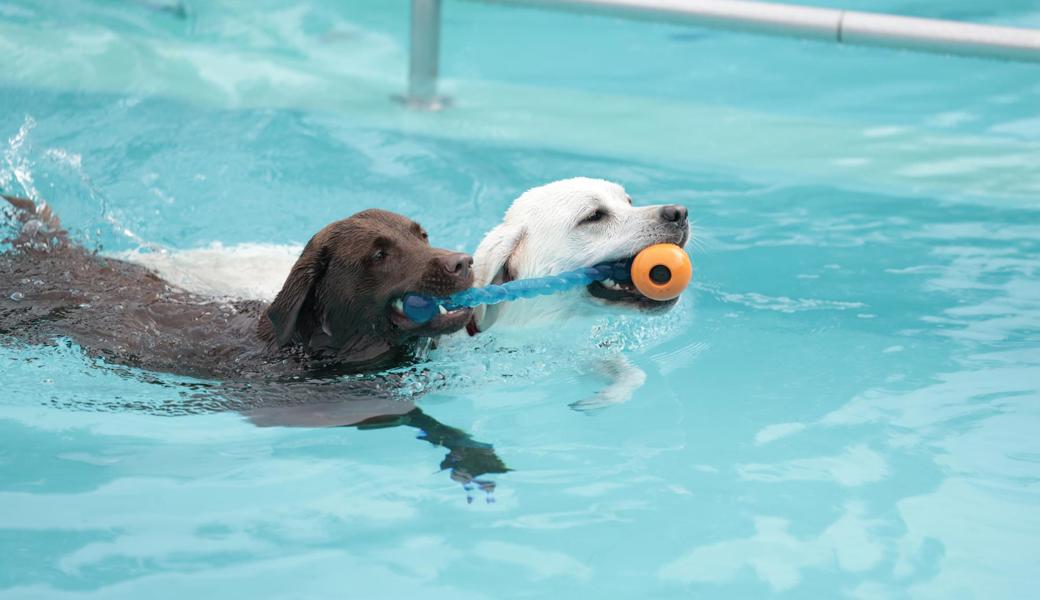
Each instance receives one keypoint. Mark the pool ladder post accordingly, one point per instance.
(424, 57)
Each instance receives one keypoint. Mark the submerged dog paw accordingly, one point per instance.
(600, 400)
(624, 379)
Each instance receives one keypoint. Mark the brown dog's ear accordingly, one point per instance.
(285, 310)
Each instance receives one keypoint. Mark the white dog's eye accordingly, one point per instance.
(598, 215)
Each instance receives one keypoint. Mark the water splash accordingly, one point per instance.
(783, 304)
(20, 175)
(18, 168)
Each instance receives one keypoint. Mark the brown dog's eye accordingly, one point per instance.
(378, 255)
(598, 215)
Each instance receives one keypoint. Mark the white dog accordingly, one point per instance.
(549, 229)
(567, 225)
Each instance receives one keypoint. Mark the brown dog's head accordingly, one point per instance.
(340, 299)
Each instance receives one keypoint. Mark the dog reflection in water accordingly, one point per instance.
(369, 404)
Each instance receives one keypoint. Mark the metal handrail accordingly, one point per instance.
(841, 26)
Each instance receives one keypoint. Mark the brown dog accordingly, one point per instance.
(336, 311)
(335, 315)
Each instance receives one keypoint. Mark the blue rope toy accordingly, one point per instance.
(659, 272)
(420, 308)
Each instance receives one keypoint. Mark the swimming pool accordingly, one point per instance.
(845, 404)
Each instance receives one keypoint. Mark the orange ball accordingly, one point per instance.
(662, 271)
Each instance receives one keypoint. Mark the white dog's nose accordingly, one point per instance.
(673, 213)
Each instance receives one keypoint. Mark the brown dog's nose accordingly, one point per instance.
(457, 264)
(673, 213)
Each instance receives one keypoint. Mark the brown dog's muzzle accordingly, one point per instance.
(447, 273)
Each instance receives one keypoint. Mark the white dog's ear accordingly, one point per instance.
(491, 260)
(492, 265)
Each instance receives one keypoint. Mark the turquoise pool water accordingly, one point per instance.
(846, 404)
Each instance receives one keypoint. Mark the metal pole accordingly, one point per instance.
(929, 35)
(425, 55)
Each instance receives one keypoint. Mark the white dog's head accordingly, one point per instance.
(566, 225)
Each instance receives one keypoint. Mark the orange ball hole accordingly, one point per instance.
(662, 271)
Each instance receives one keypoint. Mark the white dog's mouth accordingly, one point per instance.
(625, 294)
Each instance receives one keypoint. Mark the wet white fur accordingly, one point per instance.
(251, 271)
